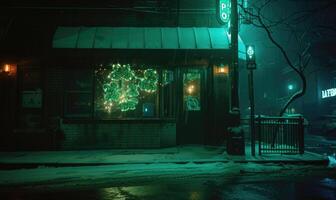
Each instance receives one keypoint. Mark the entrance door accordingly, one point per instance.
(191, 123)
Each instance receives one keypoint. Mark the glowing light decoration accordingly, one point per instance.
(191, 89)
(123, 85)
(191, 81)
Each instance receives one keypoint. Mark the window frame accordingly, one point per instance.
(92, 116)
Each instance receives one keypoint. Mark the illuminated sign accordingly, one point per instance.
(224, 7)
(328, 93)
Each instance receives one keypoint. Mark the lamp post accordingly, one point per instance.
(251, 65)
(234, 50)
(228, 15)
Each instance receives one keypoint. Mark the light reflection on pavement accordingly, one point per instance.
(310, 189)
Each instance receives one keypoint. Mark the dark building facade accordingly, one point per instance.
(123, 77)
(318, 104)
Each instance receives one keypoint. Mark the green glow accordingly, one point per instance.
(167, 77)
(191, 84)
(250, 52)
(149, 82)
(290, 87)
(192, 76)
(224, 10)
(122, 87)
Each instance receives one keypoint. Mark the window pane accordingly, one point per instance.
(192, 90)
(78, 93)
(77, 104)
(168, 93)
(123, 91)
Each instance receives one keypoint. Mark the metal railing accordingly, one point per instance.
(280, 135)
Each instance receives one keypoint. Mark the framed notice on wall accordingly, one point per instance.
(32, 99)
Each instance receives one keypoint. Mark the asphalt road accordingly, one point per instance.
(189, 181)
(310, 188)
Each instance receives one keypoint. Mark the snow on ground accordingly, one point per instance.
(147, 173)
(332, 160)
(168, 155)
(173, 154)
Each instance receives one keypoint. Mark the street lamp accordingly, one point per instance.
(251, 65)
(250, 57)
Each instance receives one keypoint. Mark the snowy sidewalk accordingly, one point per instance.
(180, 155)
(44, 178)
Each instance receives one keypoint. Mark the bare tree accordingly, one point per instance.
(291, 22)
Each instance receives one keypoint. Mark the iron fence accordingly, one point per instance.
(280, 135)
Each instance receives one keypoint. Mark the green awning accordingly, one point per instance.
(144, 38)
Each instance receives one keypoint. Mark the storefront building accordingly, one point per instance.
(104, 86)
(326, 104)
(152, 87)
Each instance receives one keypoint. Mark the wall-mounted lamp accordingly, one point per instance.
(6, 68)
(9, 69)
(222, 69)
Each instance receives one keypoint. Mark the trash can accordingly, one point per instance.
(235, 141)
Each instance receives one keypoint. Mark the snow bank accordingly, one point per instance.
(332, 160)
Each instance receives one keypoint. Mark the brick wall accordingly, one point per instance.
(122, 135)
(53, 103)
(101, 135)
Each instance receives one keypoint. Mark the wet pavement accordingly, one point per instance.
(322, 189)
(320, 144)
(228, 180)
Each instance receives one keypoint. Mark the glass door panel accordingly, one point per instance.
(192, 91)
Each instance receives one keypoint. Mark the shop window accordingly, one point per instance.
(123, 91)
(192, 90)
(78, 93)
(168, 99)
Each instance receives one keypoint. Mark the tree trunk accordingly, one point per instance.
(296, 95)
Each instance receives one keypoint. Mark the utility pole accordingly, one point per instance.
(234, 64)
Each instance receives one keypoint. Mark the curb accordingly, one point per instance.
(14, 166)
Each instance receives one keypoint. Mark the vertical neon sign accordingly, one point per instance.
(224, 7)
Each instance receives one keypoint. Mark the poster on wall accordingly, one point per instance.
(32, 98)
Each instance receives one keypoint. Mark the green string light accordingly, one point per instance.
(122, 87)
